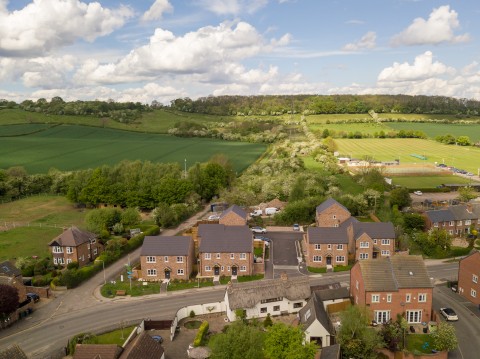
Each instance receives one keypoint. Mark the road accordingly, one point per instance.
(49, 328)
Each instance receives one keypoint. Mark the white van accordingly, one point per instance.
(271, 210)
(256, 213)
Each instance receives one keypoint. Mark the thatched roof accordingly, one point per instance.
(247, 295)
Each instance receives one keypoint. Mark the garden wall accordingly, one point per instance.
(403, 355)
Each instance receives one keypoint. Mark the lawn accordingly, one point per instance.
(69, 148)
(436, 129)
(115, 337)
(419, 343)
(428, 181)
(402, 148)
(369, 127)
(317, 270)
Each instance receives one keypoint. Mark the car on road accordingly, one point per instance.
(418, 193)
(258, 230)
(296, 227)
(33, 297)
(449, 314)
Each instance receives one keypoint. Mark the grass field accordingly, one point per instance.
(389, 149)
(69, 147)
(436, 129)
(428, 181)
(369, 127)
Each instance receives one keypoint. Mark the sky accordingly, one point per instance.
(160, 50)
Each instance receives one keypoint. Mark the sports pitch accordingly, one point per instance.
(68, 147)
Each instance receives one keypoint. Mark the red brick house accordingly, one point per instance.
(391, 286)
(457, 220)
(167, 257)
(331, 214)
(468, 273)
(75, 245)
(326, 246)
(371, 240)
(225, 250)
(233, 216)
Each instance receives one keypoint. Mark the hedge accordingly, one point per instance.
(202, 332)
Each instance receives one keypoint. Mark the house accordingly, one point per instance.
(225, 250)
(233, 216)
(167, 257)
(143, 346)
(372, 239)
(393, 285)
(457, 220)
(94, 351)
(11, 275)
(272, 296)
(75, 245)
(326, 246)
(331, 214)
(314, 318)
(468, 273)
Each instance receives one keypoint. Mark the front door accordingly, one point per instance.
(167, 274)
(216, 270)
(329, 260)
(234, 270)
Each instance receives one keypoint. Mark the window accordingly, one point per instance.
(95, 251)
(459, 223)
(317, 258)
(208, 269)
(263, 310)
(389, 298)
(385, 253)
(340, 259)
(180, 272)
(363, 255)
(422, 297)
(329, 246)
(69, 260)
(473, 293)
(243, 268)
(228, 268)
(382, 316)
(335, 225)
(232, 255)
(374, 241)
(364, 245)
(334, 216)
(271, 300)
(385, 242)
(58, 260)
(151, 259)
(208, 256)
(356, 284)
(276, 308)
(474, 278)
(57, 249)
(243, 256)
(93, 241)
(414, 316)
(165, 259)
(307, 314)
(297, 305)
(468, 222)
(218, 255)
(339, 247)
(180, 259)
(375, 298)
(408, 298)
(69, 250)
(222, 268)
(82, 258)
(318, 247)
(450, 231)
(451, 223)
(151, 272)
(435, 224)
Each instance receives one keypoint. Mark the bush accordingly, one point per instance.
(201, 334)
(192, 314)
(72, 265)
(268, 321)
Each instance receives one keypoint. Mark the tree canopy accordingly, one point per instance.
(8, 299)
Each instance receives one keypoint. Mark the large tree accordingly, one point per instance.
(240, 341)
(444, 337)
(286, 342)
(400, 197)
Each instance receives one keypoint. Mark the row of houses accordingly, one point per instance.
(457, 220)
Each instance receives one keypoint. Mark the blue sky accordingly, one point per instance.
(145, 50)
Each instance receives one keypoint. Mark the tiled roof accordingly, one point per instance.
(7, 268)
(225, 239)
(235, 209)
(72, 237)
(248, 294)
(166, 246)
(443, 215)
(316, 311)
(374, 230)
(13, 352)
(330, 352)
(393, 273)
(327, 235)
(94, 351)
(328, 203)
(142, 347)
(333, 293)
(455, 213)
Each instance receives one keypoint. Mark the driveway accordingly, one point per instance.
(284, 252)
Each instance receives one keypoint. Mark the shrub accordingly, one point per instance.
(192, 314)
(202, 332)
(268, 321)
(72, 265)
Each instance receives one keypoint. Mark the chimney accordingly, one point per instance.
(284, 276)
(469, 207)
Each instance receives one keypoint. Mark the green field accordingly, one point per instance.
(439, 129)
(428, 181)
(67, 147)
(467, 158)
(369, 127)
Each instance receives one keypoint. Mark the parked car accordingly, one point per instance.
(262, 238)
(213, 217)
(449, 314)
(157, 338)
(469, 174)
(296, 227)
(258, 230)
(256, 213)
(33, 297)
(271, 210)
(418, 193)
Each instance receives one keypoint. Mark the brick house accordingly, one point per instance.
(331, 214)
(225, 250)
(371, 239)
(457, 220)
(233, 216)
(75, 245)
(326, 246)
(391, 286)
(167, 257)
(468, 273)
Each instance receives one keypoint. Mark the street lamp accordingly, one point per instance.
(103, 265)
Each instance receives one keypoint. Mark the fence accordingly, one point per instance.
(6, 226)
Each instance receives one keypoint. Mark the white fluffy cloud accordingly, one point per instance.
(156, 11)
(233, 7)
(438, 28)
(44, 25)
(368, 41)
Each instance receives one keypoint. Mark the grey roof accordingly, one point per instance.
(142, 347)
(94, 351)
(13, 352)
(374, 230)
(7, 268)
(248, 294)
(327, 235)
(72, 237)
(443, 215)
(393, 273)
(333, 293)
(317, 312)
(166, 246)
(235, 209)
(330, 352)
(220, 238)
(454, 213)
(329, 202)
